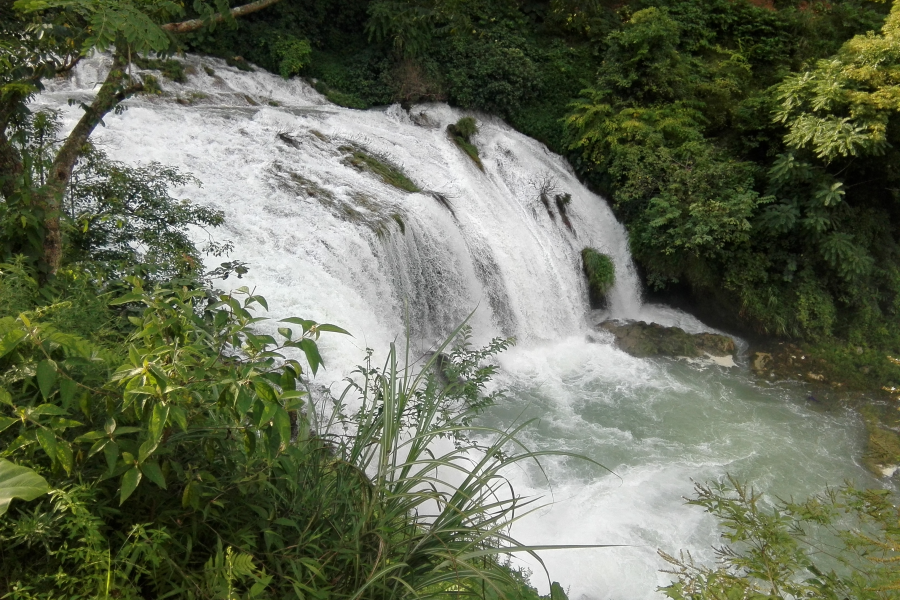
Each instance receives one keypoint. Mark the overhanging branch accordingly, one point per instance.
(238, 11)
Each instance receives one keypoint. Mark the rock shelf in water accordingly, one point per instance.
(641, 339)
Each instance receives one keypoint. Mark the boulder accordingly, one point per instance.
(641, 339)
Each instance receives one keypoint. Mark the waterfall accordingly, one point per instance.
(274, 155)
(328, 240)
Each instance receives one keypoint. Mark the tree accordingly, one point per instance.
(42, 38)
(843, 107)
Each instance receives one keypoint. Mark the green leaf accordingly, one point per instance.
(158, 421)
(46, 376)
(154, 473)
(312, 354)
(306, 324)
(130, 481)
(9, 341)
(65, 457)
(6, 422)
(47, 409)
(67, 389)
(179, 415)
(19, 482)
(111, 453)
(47, 441)
(333, 329)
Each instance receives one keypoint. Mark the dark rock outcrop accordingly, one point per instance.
(641, 339)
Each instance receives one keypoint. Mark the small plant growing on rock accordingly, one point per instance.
(461, 133)
(601, 275)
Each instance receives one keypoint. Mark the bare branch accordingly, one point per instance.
(238, 11)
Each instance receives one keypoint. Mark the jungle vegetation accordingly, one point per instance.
(154, 443)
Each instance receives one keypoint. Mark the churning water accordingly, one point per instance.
(328, 241)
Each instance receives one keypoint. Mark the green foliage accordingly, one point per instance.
(461, 133)
(201, 466)
(600, 272)
(124, 217)
(16, 481)
(841, 544)
(465, 128)
(491, 72)
(641, 59)
(844, 106)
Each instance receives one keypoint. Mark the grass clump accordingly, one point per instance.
(461, 133)
(391, 175)
(601, 275)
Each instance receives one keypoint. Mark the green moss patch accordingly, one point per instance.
(601, 275)
(391, 175)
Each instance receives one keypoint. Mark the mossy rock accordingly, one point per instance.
(461, 133)
(601, 275)
(171, 69)
(641, 339)
(391, 175)
(882, 454)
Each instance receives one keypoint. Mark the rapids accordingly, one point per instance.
(327, 241)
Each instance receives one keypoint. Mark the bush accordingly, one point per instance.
(841, 544)
(461, 133)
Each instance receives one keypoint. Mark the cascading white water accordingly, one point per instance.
(333, 243)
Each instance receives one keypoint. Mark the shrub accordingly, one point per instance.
(841, 544)
(203, 467)
(461, 133)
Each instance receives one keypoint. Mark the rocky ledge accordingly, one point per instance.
(641, 339)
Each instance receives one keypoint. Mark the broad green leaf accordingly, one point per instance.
(67, 389)
(6, 422)
(65, 457)
(264, 390)
(306, 324)
(147, 449)
(19, 482)
(312, 354)
(46, 376)
(47, 441)
(269, 410)
(154, 473)
(47, 409)
(179, 415)
(158, 421)
(332, 329)
(90, 436)
(9, 341)
(130, 481)
(111, 453)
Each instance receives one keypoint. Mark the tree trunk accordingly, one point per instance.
(238, 11)
(112, 92)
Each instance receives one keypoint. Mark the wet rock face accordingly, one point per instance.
(641, 339)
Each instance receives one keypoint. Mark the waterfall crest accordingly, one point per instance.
(333, 241)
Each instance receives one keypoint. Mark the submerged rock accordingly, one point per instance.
(641, 339)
